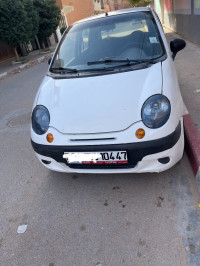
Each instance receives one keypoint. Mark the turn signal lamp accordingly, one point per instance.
(140, 133)
(50, 137)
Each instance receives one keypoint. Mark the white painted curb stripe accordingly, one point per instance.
(26, 65)
(3, 75)
(185, 110)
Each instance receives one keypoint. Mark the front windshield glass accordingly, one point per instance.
(109, 42)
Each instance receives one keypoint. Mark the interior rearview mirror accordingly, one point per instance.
(176, 45)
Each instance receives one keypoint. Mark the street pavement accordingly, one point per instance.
(8, 66)
(87, 219)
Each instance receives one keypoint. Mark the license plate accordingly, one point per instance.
(105, 157)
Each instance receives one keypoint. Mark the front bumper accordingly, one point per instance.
(137, 153)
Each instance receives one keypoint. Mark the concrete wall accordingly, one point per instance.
(182, 16)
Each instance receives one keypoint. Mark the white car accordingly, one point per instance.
(110, 102)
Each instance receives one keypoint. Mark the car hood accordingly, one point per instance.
(98, 104)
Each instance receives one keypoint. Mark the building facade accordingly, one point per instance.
(118, 4)
(101, 6)
(75, 10)
(182, 16)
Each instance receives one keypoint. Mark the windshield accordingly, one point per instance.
(113, 41)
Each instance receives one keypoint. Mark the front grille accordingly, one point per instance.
(103, 166)
(92, 139)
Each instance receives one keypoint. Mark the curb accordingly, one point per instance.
(192, 146)
(26, 65)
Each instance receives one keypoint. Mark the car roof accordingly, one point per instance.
(114, 13)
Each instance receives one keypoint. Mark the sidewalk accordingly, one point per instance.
(187, 64)
(34, 57)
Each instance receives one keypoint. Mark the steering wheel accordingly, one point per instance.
(131, 45)
(146, 49)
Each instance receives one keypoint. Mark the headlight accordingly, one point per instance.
(40, 119)
(156, 111)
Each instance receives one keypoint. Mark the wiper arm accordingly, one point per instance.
(126, 61)
(97, 69)
(63, 69)
(108, 61)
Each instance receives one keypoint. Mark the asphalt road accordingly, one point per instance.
(87, 220)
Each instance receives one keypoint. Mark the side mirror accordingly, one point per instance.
(176, 45)
(49, 61)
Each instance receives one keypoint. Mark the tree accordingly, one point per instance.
(137, 3)
(62, 30)
(13, 20)
(49, 17)
(16, 22)
(32, 18)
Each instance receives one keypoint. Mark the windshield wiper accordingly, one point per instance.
(63, 69)
(98, 69)
(126, 61)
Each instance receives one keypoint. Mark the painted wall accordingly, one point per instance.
(118, 4)
(77, 9)
(182, 16)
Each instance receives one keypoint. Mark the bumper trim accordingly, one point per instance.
(136, 151)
